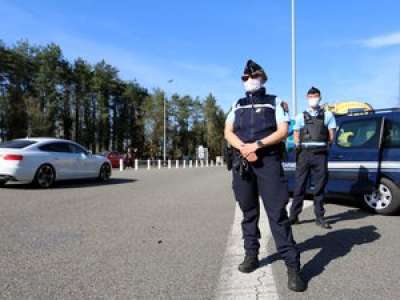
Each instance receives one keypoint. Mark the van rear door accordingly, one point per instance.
(390, 164)
(354, 156)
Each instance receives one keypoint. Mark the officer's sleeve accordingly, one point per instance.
(299, 122)
(230, 118)
(280, 114)
(330, 121)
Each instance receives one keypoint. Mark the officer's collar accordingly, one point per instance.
(259, 92)
(317, 109)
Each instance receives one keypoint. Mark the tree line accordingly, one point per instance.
(42, 94)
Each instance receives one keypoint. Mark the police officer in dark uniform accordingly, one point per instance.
(314, 130)
(256, 127)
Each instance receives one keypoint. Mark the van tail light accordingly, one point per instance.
(13, 157)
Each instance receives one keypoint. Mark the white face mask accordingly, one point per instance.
(314, 102)
(252, 84)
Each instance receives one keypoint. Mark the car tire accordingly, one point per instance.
(105, 173)
(3, 183)
(45, 177)
(386, 200)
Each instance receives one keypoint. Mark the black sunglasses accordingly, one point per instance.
(253, 76)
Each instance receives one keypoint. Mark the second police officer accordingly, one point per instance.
(256, 127)
(314, 130)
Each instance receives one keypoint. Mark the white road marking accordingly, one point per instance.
(257, 285)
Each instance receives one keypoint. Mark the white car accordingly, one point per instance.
(43, 161)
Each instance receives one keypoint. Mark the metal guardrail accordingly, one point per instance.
(171, 164)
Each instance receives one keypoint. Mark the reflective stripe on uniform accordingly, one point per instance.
(255, 106)
(313, 144)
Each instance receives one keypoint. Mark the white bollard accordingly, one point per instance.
(121, 164)
(148, 164)
(207, 163)
(184, 164)
(212, 163)
(169, 164)
(177, 164)
(136, 164)
(197, 163)
(190, 163)
(159, 164)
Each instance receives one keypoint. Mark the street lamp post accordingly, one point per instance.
(165, 126)
(165, 131)
(294, 96)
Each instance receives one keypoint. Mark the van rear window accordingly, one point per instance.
(16, 144)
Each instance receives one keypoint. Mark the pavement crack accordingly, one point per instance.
(260, 283)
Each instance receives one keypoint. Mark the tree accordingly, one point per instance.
(132, 116)
(47, 88)
(4, 71)
(197, 129)
(214, 119)
(43, 94)
(84, 124)
(19, 67)
(154, 122)
(104, 81)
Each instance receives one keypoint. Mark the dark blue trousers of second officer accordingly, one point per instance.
(266, 179)
(315, 164)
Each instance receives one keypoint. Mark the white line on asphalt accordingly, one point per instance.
(257, 285)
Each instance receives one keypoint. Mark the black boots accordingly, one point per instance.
(295, 282)
(319, 221)
(249, 264)
(322, 223)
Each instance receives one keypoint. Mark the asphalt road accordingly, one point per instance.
(162, 234)
(158, 234)
(357, 259)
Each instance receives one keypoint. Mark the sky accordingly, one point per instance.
(350, 50)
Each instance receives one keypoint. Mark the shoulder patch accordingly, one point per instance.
(285, 106)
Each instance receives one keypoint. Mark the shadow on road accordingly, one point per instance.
(334, 245)
(354, 214)
(270, 259)
(72, 184)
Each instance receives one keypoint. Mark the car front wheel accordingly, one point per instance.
(45, 177)
(3, 183)
(105, 173)
(385, 200)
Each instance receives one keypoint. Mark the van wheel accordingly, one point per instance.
(105, 173)
(45, 177)
(384, 201)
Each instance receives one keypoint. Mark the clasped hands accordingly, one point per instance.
(248, 151)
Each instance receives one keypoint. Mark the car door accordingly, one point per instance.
(354, 156)
(60, 157)
(86, 165)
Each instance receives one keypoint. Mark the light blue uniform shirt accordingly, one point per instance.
(329, 121)
(280, 114)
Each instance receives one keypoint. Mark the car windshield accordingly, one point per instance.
(17, 144)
